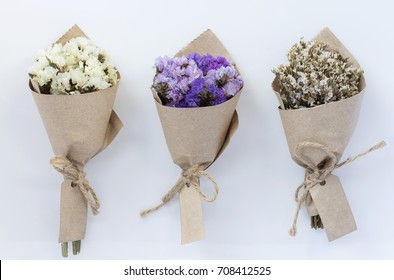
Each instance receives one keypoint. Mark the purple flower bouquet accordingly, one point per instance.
(196, 93)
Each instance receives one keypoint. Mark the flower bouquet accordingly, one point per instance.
(74, 84)
(196, 93)
(320, 91)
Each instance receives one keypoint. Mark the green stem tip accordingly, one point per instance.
(76, 248)
(65, 249)
(316, 222)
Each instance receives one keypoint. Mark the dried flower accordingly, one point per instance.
(78, 66)
(315, 75)
(195, 80)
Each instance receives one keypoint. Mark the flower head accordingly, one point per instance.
(208, 62)
(195, 80)
(315, 75)
(76, 67)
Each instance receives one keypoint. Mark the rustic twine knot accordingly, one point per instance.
(71, 172)
(317, 174)
(186, 180)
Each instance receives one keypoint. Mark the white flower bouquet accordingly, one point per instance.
(74, 85)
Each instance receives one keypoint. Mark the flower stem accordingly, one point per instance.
(65, 249)
(316, 222)
(76, 247)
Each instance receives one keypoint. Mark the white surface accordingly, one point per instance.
(257, 178)
(115, 270)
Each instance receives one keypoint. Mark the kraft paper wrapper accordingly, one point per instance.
(332, 125)
(78, 127)
(197, 136)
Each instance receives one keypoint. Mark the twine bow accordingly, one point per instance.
(186, 180)
(71, 172)
(317, 174)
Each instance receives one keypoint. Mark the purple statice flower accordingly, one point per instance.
(233, 86)
(208, 62)
(173, 78)
(192, 99)
(226, 78)
(201, 94)
(195, 80)
(217, 93)
(161, 63)
(234, 81)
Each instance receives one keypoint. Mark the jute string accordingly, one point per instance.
(316, 174)
(185, 180)
(71, 172)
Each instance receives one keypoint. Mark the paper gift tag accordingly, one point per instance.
(192, 221)
(334, 210)
(73, 213)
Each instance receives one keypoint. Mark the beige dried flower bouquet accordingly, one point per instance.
(320, 90)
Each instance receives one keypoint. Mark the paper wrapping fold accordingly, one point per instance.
(331, 125)
(197, 136)
(78, 127)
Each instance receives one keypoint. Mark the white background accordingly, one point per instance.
(257, 178)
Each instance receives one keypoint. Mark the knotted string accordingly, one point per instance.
(71, 172)
(317, 174)
(186, 180)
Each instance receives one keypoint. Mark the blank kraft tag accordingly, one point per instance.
(192, 223)
(334, 210)
(73, 213)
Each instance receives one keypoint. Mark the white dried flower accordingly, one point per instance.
(76, 67)
(315, 75)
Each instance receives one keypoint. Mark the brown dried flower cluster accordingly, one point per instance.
(316, 75)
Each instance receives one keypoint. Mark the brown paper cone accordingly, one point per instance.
(197, 136)
(331, 125)
(78, 127)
